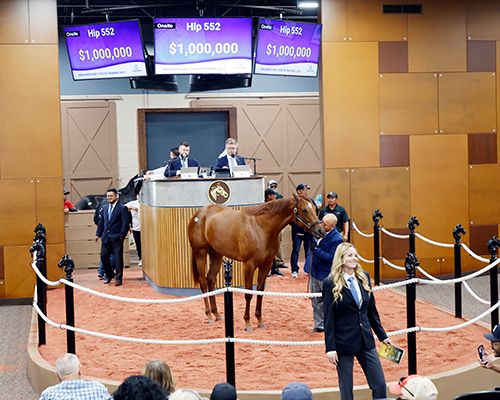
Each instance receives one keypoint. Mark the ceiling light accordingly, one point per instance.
(308, 4)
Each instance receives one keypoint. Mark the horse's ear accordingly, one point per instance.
(295, 195)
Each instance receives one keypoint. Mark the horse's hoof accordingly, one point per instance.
(249, 329)
(262, 325)
(210, 321)
(219, 318)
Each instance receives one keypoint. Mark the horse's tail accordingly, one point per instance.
(196, 274)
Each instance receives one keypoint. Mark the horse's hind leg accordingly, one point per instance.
(261, 285)
(215, 264)
(201, 261)
(249, 271)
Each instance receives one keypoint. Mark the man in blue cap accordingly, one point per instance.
(487, 360)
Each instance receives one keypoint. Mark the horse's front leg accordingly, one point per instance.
(261, 285)
(200, 260)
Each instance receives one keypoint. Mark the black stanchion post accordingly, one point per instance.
(457, 232)
(229, 323)
(411, 264)
(40, 236)
(412, 224)
(40, 253)
(493, 245)
(377, 215)
(67, 264)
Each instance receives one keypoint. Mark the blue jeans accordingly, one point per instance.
(297, 240)
(100, 270)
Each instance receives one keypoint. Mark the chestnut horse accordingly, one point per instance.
(250, 235)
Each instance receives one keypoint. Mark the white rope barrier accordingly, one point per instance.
(40, 275)
(394, 235)
(387, 262)
(366, 235)
(474, 255)
(277, 342)
(463, 278)
(433, 242)
(365, 260)
(474, 294)
(395, 284)
(273, 294)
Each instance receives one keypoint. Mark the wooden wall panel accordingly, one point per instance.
(467, 102)
(30, 135)
(366, 22)
(334, 20)
(43, 21)
(386, 189)
(482, 20)
(18, 214)
(350, 105)
(339, 180)
(19, 276)
(498, 92)
(408, 103)
(14, 22)
(484, 194)
(438, 188)
(48, 195)
(437, 37)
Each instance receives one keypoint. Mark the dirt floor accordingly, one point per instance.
(257, 367)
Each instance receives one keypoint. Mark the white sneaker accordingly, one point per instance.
(295, 274)
(140, 263)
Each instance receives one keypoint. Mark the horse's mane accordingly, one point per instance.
(274, 206)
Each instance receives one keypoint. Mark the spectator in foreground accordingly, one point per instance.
(296, 391)
(139, 387)
(223, 391)
(488, 360)
(158, 371)
(414, 387)
(72, 386)
(185, 394)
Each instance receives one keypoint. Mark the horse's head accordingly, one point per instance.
(305, 216)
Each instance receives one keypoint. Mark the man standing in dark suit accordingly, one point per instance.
(321, 255)
(174, 166)
(230, 159)
(112, 229)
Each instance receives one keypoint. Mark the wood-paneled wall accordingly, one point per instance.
(410, 115)
(30, 151)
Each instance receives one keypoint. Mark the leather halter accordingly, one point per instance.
(298, 218)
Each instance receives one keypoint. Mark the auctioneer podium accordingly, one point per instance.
(166, 208)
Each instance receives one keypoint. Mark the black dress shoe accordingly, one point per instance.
(118, 283)
(318, 330)
(276, 272)
(100, 277)
(106, 281)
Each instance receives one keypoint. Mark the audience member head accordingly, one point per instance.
(494, 338)
(174, 152)
(223, 391)
(184, 149)
(112, 195)
(296, 391)
(139, 387)
(331, 198)
(185, 394)
(273, 184)
(414, 387)
(231, 147)
(270, 194)
(68, 367)
(329, 222)
(302, 189)
(159, 372)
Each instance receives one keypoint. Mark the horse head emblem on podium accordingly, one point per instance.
(218, 192)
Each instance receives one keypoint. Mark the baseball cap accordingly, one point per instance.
(332, 194)
(223, 391)
(414, 387)
(270, 192)
(494, 336)
(296, 391)
(302, 186)
(272, 182)
(66, 191)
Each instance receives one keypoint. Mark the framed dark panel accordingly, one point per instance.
(394, 150)
(205, 129)
(392, 57)
(481, 56)
(482, 148)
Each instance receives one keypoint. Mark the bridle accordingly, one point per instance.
(298, 218)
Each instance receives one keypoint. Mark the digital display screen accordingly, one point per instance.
(107, 50)
(203, 45)
(287, 48)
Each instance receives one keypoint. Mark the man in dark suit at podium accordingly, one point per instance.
(112, 230)
(174, 166)
(230, 159)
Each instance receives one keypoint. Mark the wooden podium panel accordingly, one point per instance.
(166, 252)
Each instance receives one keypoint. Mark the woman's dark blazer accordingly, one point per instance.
(348, 329)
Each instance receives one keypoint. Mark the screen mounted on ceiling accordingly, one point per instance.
(203, 45)
(287, 48)
(107, 50)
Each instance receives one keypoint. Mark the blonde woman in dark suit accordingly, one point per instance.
(350, 316)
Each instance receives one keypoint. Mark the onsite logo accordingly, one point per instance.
(219, 192)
